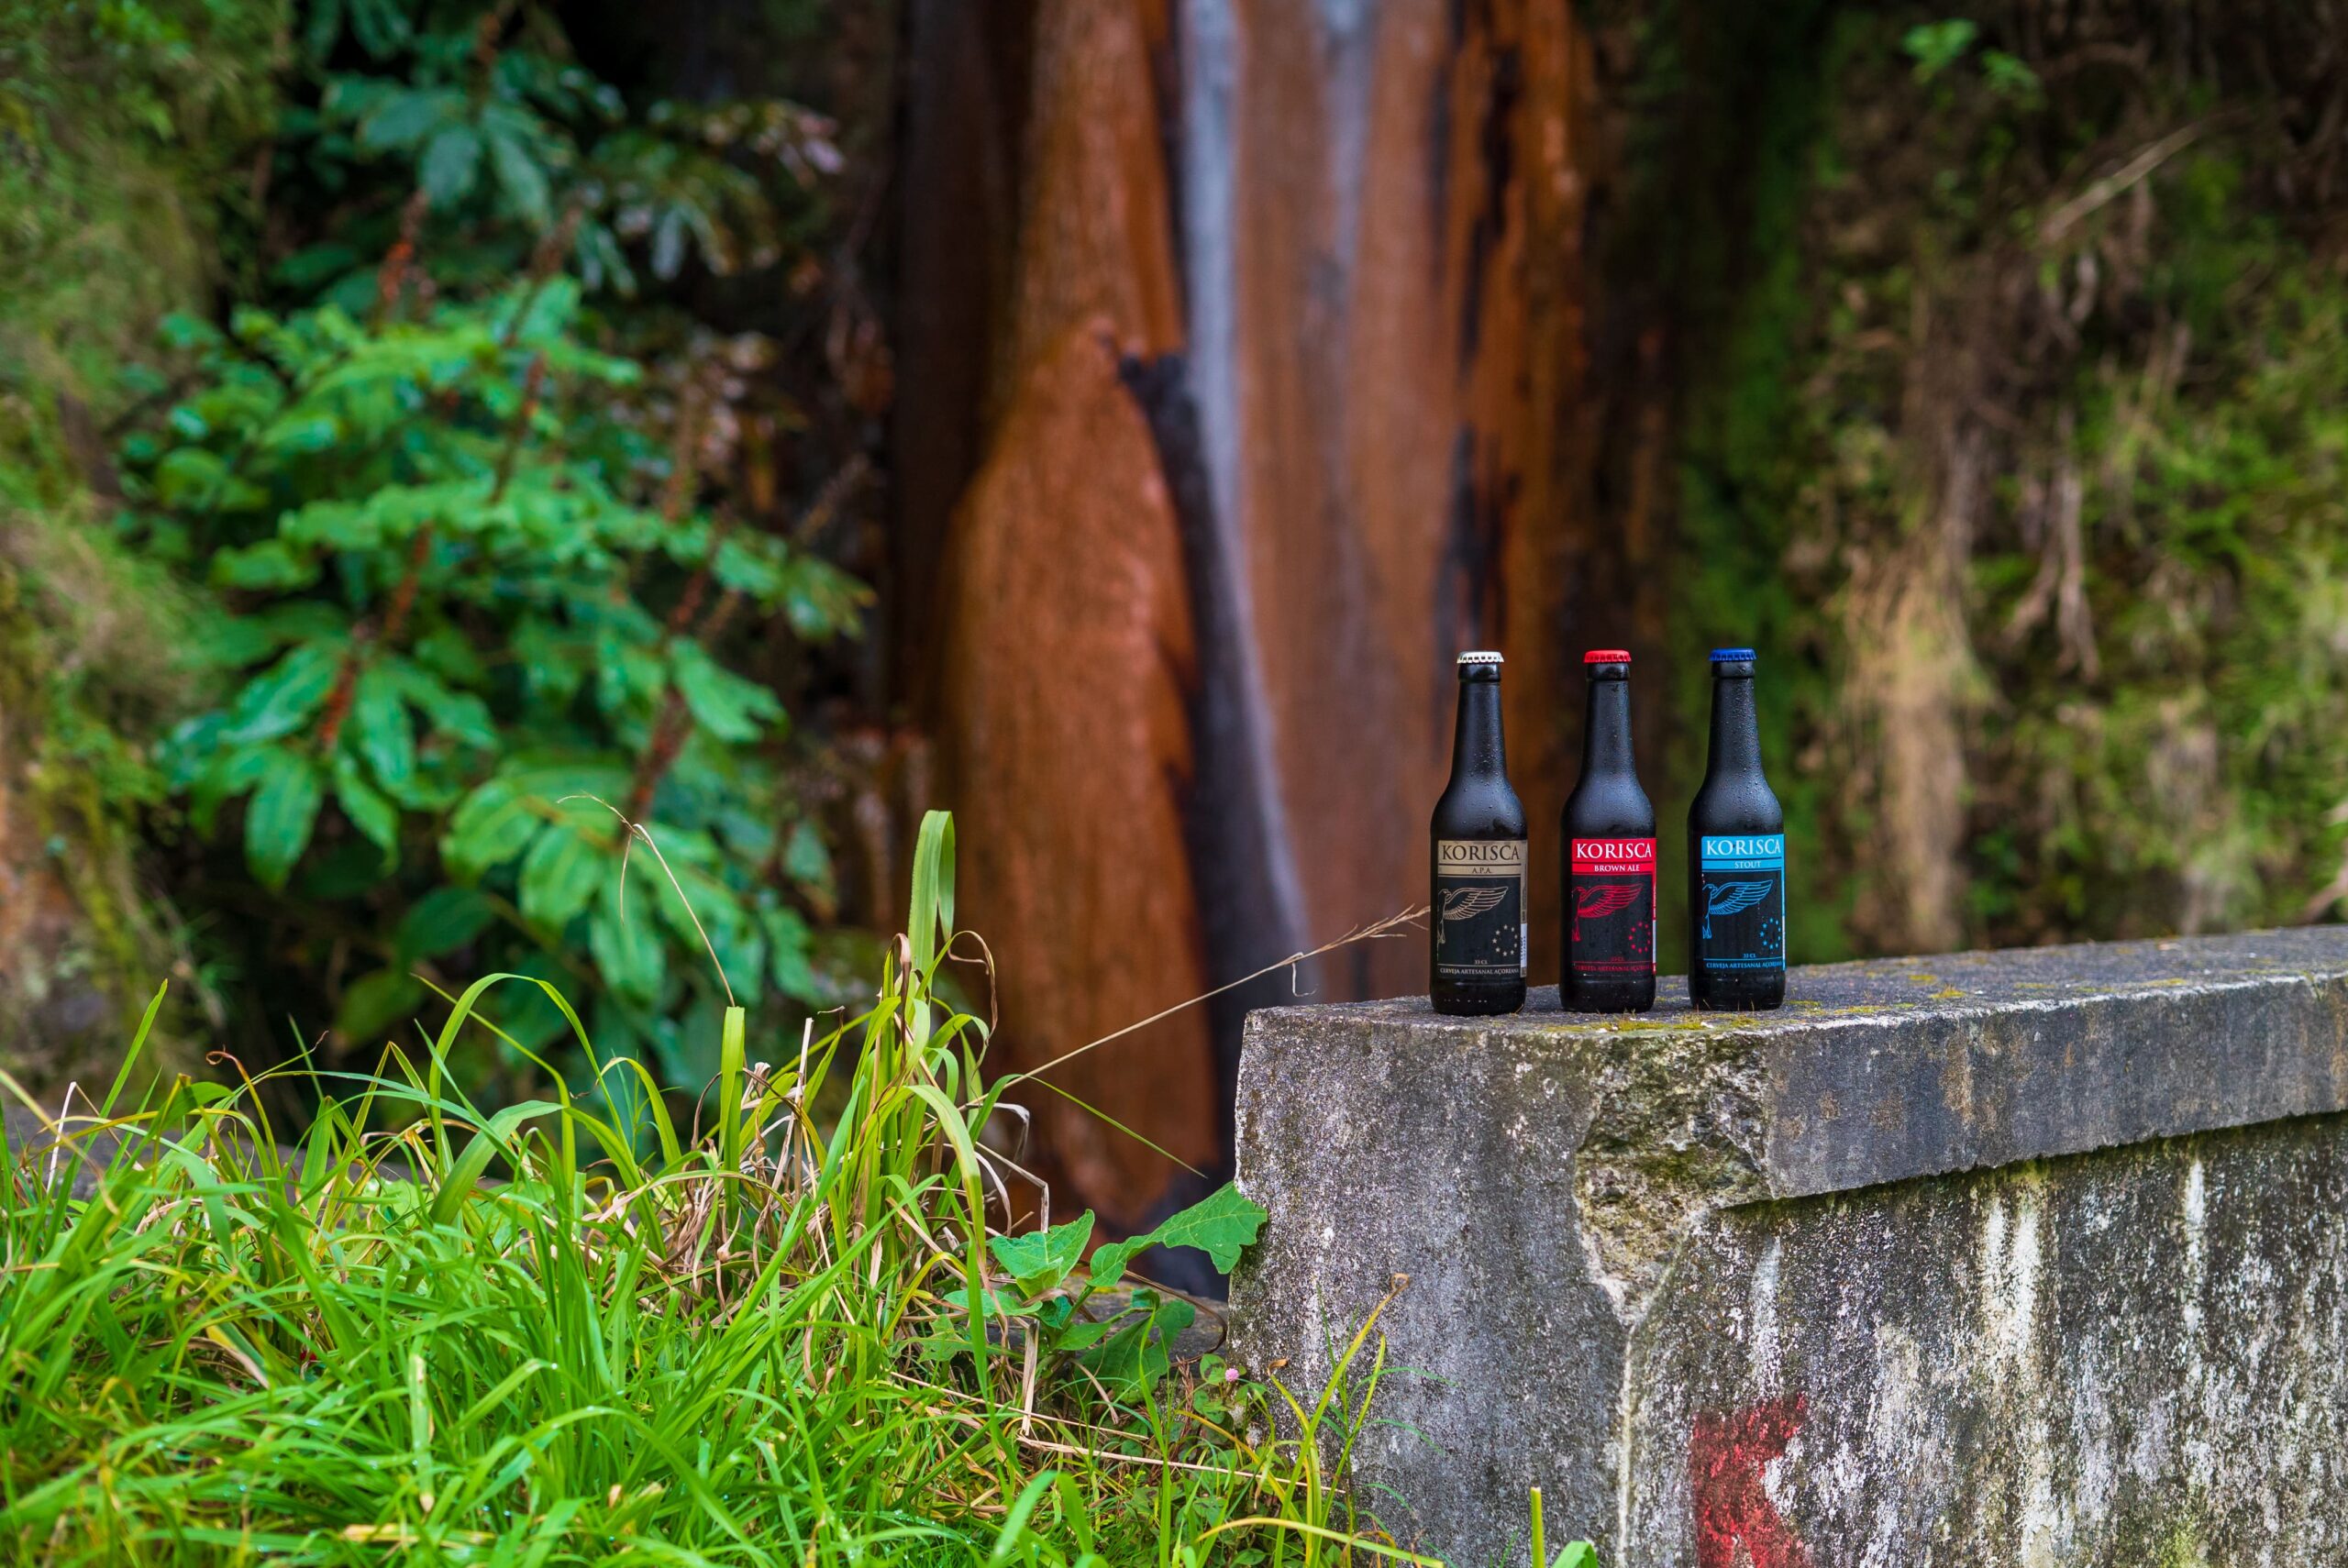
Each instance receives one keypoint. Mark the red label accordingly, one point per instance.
(1611, 895)
(1614, 857)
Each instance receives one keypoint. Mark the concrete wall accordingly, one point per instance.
(2033, 1258)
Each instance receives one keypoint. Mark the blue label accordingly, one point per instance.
(1742, 852)
(1740, 912)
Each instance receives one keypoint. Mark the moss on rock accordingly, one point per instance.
(120, 128)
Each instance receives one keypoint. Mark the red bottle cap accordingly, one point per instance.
(1606, 655)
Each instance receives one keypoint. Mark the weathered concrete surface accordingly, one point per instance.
(2136, 1357)
(1929, 1267)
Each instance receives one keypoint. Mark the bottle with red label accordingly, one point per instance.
(1609, 856)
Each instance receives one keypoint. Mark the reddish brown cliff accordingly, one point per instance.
(1242, 389)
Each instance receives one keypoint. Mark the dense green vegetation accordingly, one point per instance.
(569, 1330)
(461, 531)
(2012, 363)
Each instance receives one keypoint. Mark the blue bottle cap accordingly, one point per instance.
(1727, 656)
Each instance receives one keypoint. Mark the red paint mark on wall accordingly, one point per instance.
(1734, 1511)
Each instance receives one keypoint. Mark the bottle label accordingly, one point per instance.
(1611, 906)
(1479, 907)
(1741, 886)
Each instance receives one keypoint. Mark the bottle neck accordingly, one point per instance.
(1476, 751)
(1606, 735)
(1736, 728)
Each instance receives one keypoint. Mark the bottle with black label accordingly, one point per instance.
(1609, 856)
(1478, 908)
(1736, 857)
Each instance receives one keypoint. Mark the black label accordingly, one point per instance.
(1479, 914)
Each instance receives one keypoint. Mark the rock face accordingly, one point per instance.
(2037, 1256)
(1334, 256)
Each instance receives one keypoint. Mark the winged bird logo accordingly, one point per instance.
(1593, 902)
(1732, 898)
(1465, 903)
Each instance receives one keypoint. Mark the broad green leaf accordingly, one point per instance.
(787, 945)
(250, 323)
(1064, 1329)
(549, 314)
(375, 1001)
(322, 30)
(377, 820)
(406, 115)
(1041, 1259)
(807, 860)
(380, 26)
(271, 565)
(706, 904)
(1084, 1334)
(296, 621)
(993, 1303)
(1141, 1352)
(381, 730)
(189, 476)
(309, 432)
(277, 702)
(230, 772)
(451, 164)
(459, 715)
(446, 653)
(1935, 46)
(560, 875)
(1220, 1225)
(333, 524)
(751, 566)
(821, 599)
(631, 953)
(723, 703)
(283, 810)
(495, 825)
(442, 920)
(553, 661)
(519, 176)
(182, 331)
(626, 673)
(1577, 1555)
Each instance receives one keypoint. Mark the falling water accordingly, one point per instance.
(1210, 65)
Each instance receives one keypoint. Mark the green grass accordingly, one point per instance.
(571, 1330)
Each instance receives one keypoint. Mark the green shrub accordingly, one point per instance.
(441, 543)
(492, 591)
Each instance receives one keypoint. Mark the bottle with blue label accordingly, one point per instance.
(1736, 857)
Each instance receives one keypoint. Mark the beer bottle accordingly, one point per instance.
(1736, 857)
(1477, 905)
(1609, 856)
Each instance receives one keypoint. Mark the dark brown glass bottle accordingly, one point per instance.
(1736, 857)
(1478, 860)
(1609, 856)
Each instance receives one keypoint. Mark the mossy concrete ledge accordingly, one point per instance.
(2034, 1257)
